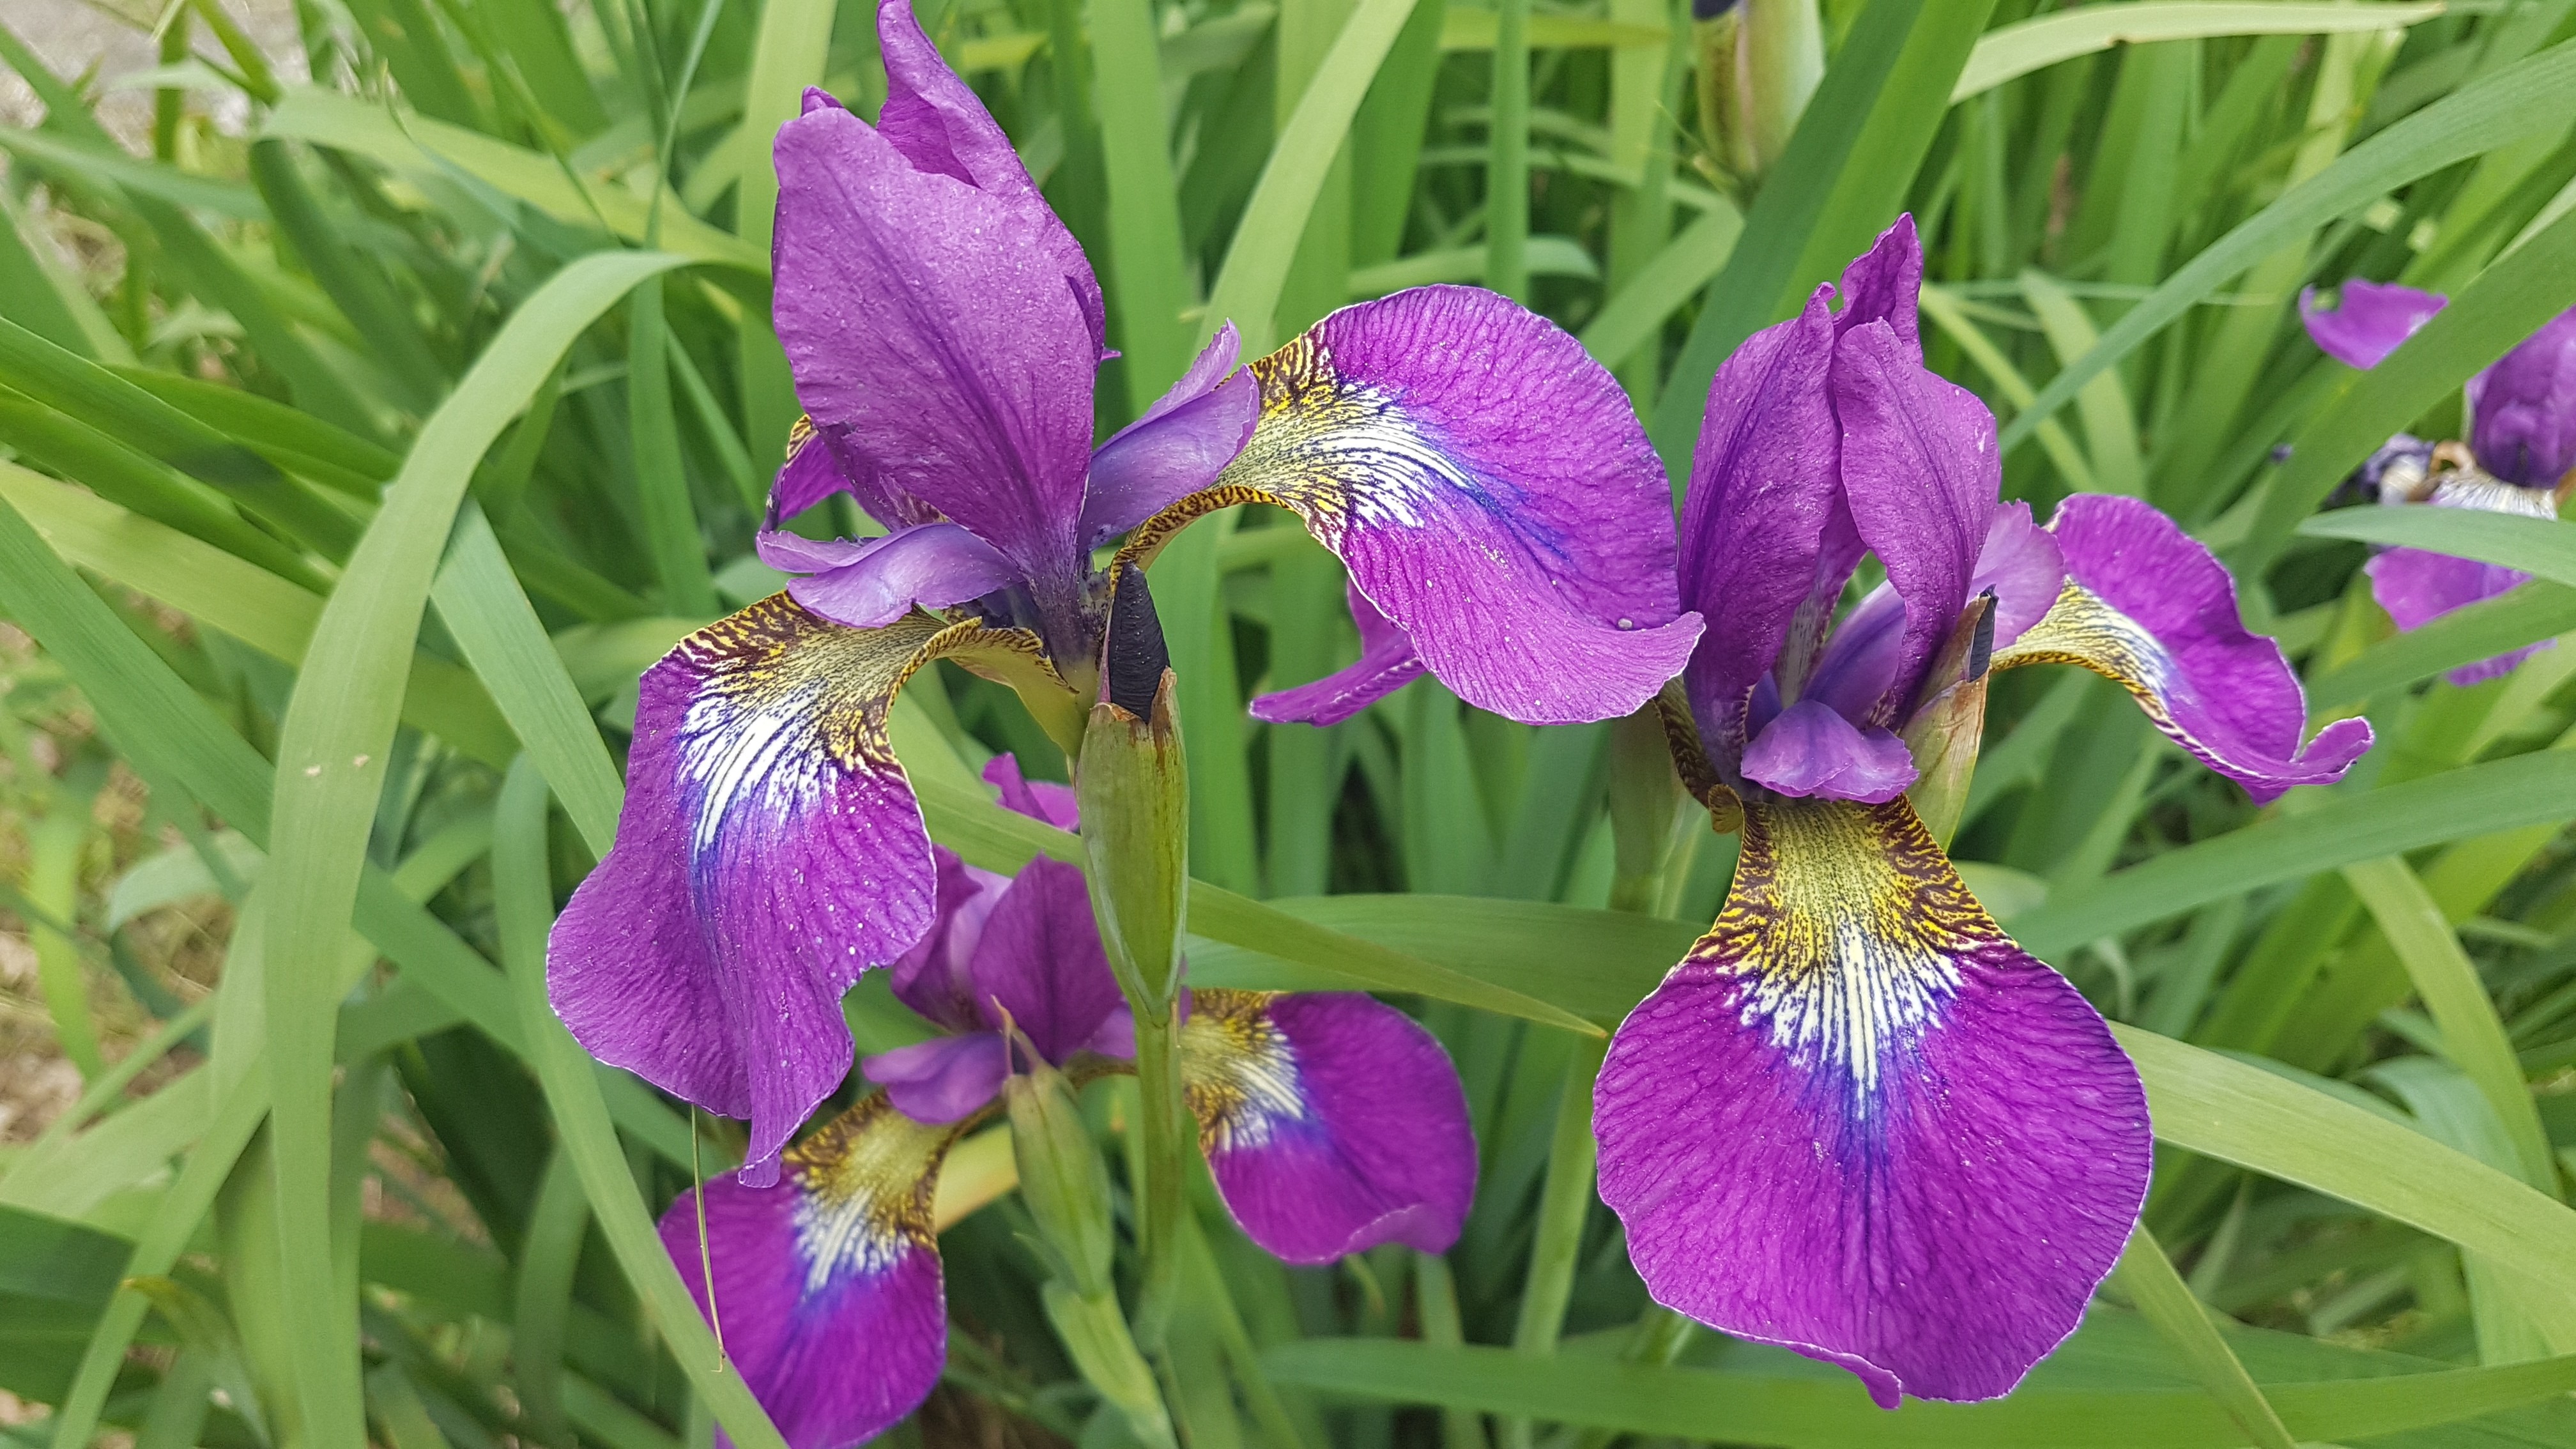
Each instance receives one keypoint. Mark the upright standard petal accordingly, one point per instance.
(827, 1287)
(1763, 487)
(2368, 321)
(1921, 471)
(934, 340)
(1040, 962)
(2148, 608)
(2522, 410)
(769, 852)
(935, 120)
(1490, 490)
(932, 978)
(1386, 664)
(1332, 1123)
(1179, 446)
(1858, 1122)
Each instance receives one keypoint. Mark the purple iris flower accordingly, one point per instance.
(1857, 1120)
(1485, 482)
(1331, 1123)
(2520, 456)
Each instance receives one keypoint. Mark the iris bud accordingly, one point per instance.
(1759, 62)
(1133, 786)
(1946, 730)
(1062, 1182)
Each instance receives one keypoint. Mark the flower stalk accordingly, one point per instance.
(1066, 1191)
(1132, 783)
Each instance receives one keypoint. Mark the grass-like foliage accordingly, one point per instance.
(380, 397)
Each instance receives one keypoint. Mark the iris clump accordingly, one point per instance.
(1482, 478)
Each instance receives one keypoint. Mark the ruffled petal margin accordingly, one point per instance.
(1490, 490)
(769, 851)
(1331, 1122)
(1857, 1121)
(827, 1291)
(2146, 606)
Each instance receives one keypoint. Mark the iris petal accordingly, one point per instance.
(1812, 751)
(1859, 1122)
(1490, 490)
(2369, 320)
(1331, 1122)
(1386, 664)
(1921, 472)
(2523, 409)
(934, 338)
(1179, 446)
(2416, 588)
(2146, 606)
(870, 584)
(940, 125)
(827, 1287)
(1040, 960)
(769, 851)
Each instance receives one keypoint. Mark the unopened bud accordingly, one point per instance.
(1133, 786)
(1062, 1182)
(1759, 63)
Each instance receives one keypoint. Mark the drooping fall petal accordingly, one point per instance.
(1490, 490)
(1331, 1122)
(2146, 606)
(827, 1286)
(1859, 1122)
(769, 851)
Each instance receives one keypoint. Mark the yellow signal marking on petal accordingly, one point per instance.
(1329, 450)
(783, 684)
(866, 1183)
(1238, 1072)
(2083, 630)
(1848, 924)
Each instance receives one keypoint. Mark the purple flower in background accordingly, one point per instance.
(1488, 488)
(1857, 1120)
(2520, 456)
(1331, 1123)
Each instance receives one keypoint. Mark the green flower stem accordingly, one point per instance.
(1096, 1336)
(1160, 1167)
